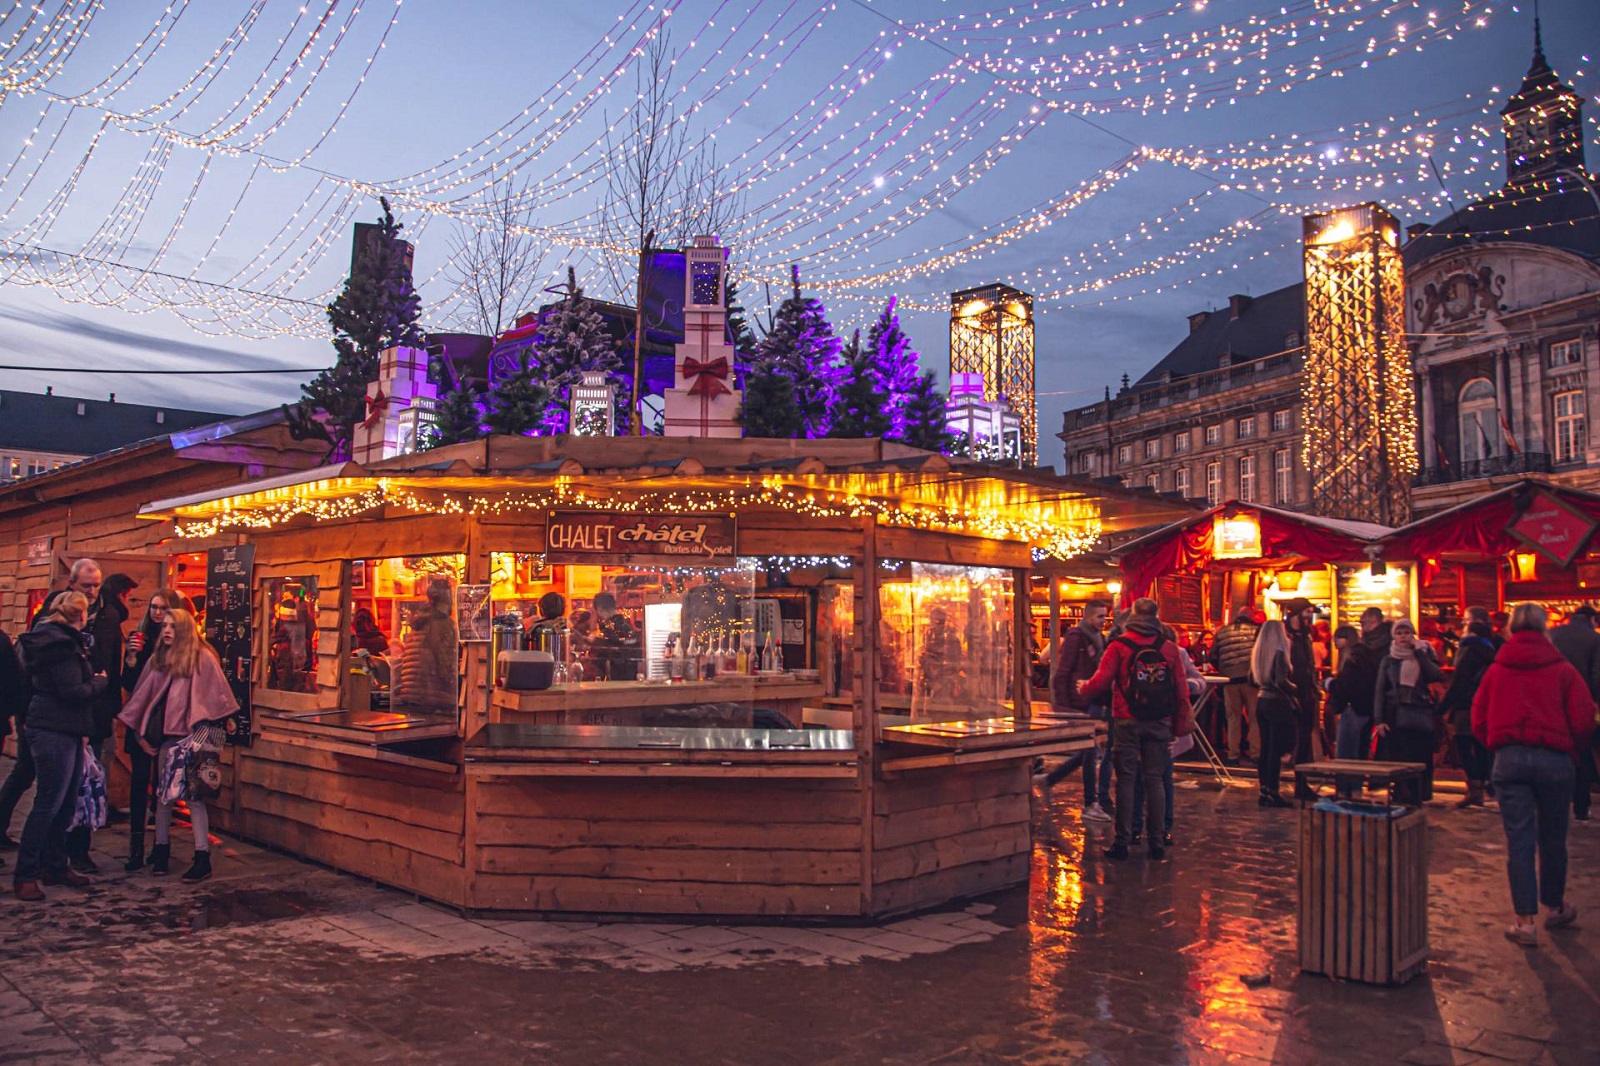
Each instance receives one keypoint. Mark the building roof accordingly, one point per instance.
(70, 425)
(1561, 211)
(1249, 328)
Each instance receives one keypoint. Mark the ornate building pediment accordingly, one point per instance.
(1466, 291)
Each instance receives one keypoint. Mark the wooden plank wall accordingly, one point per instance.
(400, 825)
(682, 846)
(948, 833)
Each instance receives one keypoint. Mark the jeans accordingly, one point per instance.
(1138, 802)
(1354, 740)
(1239, 706)
(1276, 725)
(1534, 786)
(17, 782)
(59, 761)
(199, 821)
(1141, 749)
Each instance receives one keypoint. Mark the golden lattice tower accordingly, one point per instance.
(991, 333)
(1359, 397)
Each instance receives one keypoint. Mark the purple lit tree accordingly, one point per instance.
(801, 348)
(926, 417)
(896, 365)
(458, 418)
(862, 408)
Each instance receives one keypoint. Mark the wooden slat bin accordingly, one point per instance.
(1364, 893)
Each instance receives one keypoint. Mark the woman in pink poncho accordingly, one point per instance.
(181, 691)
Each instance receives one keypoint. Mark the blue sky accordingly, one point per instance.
(886, 146)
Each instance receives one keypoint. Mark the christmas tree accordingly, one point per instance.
(518, 402)
(896, 365)
(768, 409)
(740, 335)
(861, 409)
(378, 309)
(573, 338)
(458, 417)
(926, 425)
(803, 349)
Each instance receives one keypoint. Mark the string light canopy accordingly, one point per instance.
(215, 127)
(906, 489)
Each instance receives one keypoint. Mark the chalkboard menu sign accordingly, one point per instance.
(1180, 600)
(1359, 589)
(228, 624)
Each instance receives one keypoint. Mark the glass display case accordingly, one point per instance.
(945, 642)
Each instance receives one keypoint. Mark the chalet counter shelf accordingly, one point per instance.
(985, 740)
(733, 701)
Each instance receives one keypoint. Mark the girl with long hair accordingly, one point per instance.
(1275, 708)
(181, 693)
(141, 645)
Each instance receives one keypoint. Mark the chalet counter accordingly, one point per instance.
(733, 730)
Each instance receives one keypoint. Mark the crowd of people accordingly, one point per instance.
(63, 683)
(1519, 710)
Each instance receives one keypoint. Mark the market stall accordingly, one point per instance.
(742, 677)
(1528, 541)
(1204, 567)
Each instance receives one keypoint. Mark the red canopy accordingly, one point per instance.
(1482, 527)
(1288, 539)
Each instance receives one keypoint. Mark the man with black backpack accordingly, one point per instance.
(1142, 671)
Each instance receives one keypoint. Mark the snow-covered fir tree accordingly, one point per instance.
(803, 349)
(518, 403)
(572, 339)
(458, 417)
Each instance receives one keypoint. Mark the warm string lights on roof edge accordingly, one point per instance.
(772, 493)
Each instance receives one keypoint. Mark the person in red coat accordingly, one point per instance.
(1534, 711)
(1142, 672)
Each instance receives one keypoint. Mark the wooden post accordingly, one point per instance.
(476, 656)
(867, 703)
(1022, 623)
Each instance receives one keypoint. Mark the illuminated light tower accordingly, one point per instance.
(991, 333)
(1358, 392)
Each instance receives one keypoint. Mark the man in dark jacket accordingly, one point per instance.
(1579, 644)
(1474, 653)
(1236, 642)
(1077, 656)
(1149, 706)
(1297, 618)
(60, 716)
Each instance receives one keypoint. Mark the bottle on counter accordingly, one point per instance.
(674, 657)
(769, 655)
(741, 662)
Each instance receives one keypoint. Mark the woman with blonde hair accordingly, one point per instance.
(141, 645)
(60, 718)
(182, 694)
(1275, 708)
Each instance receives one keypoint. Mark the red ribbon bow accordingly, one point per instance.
(710, 379)
(375, 408)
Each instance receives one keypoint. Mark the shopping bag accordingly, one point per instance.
(173, 779)
(90, 807)
(203, 773)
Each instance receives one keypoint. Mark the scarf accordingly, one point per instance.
(1410, 671)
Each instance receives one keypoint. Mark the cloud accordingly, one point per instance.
(181, 355)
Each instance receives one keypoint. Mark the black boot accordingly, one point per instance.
(160, 858)
(135, 861)
(200, 870)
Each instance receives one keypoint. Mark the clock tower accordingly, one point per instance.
(1543, 123)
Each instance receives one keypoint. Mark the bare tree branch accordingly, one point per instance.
(497, 263)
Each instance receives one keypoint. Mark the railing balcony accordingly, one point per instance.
(1495, 466)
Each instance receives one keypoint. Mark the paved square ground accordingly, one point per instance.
(280, 961)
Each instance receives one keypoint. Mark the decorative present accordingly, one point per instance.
(703, 401)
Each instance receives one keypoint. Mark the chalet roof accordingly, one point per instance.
(71, 425)
(852, 479)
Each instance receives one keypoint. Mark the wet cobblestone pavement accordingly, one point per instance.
(277, 960)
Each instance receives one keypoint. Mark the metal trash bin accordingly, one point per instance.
(1363, 891)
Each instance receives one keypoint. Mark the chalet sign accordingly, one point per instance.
(1553, 529)
(586, 535)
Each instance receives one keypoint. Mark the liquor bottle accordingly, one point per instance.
(697, 658)
(769, 656)
(742, 662)
(730, 656)
(675, 659)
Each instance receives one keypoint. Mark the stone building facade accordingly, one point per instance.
(1503, 321)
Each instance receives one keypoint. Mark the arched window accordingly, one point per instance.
(1480, 421)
